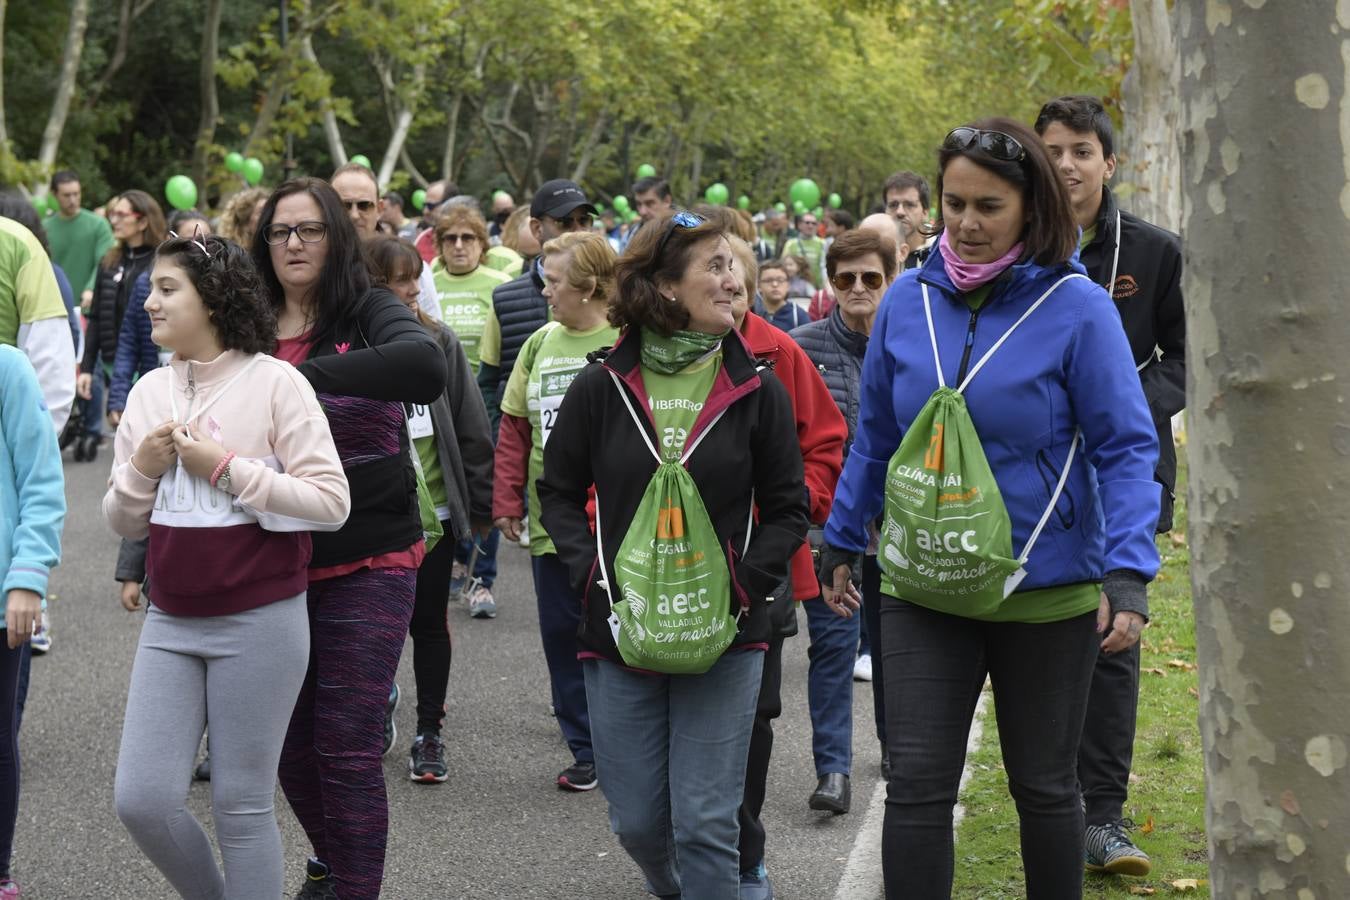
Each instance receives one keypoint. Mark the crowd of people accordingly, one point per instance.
(942, 431)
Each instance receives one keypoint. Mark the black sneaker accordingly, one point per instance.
(1109, 849)
(426, 760)
(578, 777)
(390, 729)
(203, 770)
(320, 884)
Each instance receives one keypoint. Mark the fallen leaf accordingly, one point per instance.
(1178, 539)
(1134, 778)
(1289, 803)
(1140, 890)
(1186, 884)
(1193, 692)
(1182, 664)
(1154, 670)
(1147, 827)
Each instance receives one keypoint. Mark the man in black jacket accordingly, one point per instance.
(1139, 264)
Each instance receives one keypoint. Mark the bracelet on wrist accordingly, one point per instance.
(221, 467)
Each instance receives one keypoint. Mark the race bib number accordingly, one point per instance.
(553, 384)
(419, 420)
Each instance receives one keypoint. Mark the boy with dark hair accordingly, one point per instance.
(1139, 264)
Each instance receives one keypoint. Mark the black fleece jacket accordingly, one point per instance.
(753, 447)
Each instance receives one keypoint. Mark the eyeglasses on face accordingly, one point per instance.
(682, 220)
(465, 238)
(893, 205)
(308, 232)
(844, 281)
(363, 205)
(1000, 146)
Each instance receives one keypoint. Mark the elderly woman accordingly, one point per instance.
(678, 575)
(859, 264)
(995, 368)
(578, 284)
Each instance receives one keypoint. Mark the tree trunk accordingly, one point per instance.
(65, 85)
(401, 109)
(1151, 154)
(597, 131)
(4, 130)
(127, 13)
(206, 127)
(1267, 224)
(331, 132)
(451, 134)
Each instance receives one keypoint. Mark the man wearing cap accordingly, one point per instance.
(518, 307)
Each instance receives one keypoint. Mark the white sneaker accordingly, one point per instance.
(482, 605)
(41, 641)
(862, 668)
(524, 539)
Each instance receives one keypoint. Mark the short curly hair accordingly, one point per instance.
(225, 278)
(234, 218)
(457, 216)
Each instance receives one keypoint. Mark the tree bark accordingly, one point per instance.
(65, 85)
(127, 13)
(206, 127)
(401, 109)
(332, 133)
(1151, 154)
(588, 149)
(1267, 224)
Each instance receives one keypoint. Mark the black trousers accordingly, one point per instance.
(871, 613)
(935, 669)
(1107, 749)
(430, 631)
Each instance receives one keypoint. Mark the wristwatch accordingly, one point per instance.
(223, 482)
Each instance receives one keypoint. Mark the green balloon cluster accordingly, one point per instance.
(646, 170)
(836, 201)
(716, 194)
(621, 203)
(362, 160)
(253, 170)
(804, 191)
(742, 202)
(419, 197)
(181, 192)
(798, 208)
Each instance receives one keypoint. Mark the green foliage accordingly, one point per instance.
(509, 93)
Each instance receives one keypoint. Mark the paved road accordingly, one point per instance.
(498, 829)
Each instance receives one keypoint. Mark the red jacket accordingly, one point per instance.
(821, 431)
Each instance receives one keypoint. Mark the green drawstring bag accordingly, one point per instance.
(432, 530)
(946, 539)
(674, 588)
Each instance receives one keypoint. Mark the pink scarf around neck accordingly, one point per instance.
(966, 275)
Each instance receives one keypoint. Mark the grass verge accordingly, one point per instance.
(1167, 794)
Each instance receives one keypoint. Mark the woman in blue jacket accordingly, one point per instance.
(1043, 366)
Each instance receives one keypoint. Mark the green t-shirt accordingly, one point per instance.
(549, 360)
(77, 245)
(423, 433)
(676, 400)
(1088, 234)
(504, 259)
(28, 288)
(466, 301)
(1052, 604)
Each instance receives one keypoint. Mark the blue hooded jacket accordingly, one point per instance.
(1067, 366)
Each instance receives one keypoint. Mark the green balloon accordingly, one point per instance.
(253, 170)
(742, 202)
(716, 194)
(181, 191)
(362, 160)
(234, 162)
(798, 207)
(805, 190)
(621, 203)
(836, 201)
(646, 170)
(819, 211)
(419, 197)
(42, 204)
(780, 206)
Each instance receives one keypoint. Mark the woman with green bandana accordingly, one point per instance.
(681, 433)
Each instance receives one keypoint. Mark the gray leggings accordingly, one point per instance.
(240, 674)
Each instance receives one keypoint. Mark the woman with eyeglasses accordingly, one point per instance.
(138, 225)
(464, 286)
(1004, 438)
(679, 393)
(365, 356)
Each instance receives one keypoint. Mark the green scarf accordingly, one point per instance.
(669, 355)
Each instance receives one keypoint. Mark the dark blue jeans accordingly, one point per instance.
(935, 669)
(829, 686)
(485, 568)
(559, 620)
(9, 745)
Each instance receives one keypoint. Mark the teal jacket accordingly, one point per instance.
(32, 485)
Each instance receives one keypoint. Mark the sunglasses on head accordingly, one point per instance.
(844, 281)
(682, 220)
(363, 205)
(997, 144)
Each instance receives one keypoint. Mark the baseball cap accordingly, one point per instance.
(557, 198)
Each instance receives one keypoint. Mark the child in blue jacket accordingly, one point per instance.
(32, 511)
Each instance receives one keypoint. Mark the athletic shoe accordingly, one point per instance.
(1110, 850)
(8, 888)
(578, 777)
(390, 729)
(459, 578)
(755, 884)
(203, 770)
(319, 882)
(862, 668)
(524, 539)
(481, 603)
(426, 760)
(41, 641)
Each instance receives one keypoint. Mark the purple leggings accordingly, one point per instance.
(331, 768)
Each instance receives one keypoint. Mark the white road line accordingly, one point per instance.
(861, 879)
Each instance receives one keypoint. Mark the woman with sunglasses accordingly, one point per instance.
(464, 286)
(1030, 436)
(365, 356)
(671, 749)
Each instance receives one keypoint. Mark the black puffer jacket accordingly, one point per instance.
(837, 351)
(112, 290)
